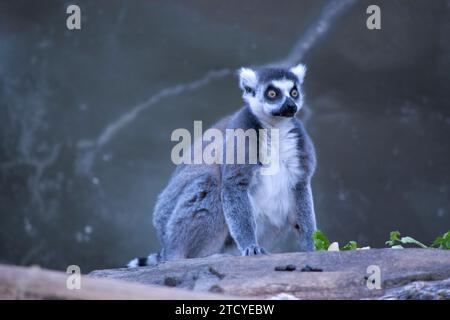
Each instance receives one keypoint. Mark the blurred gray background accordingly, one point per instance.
(86, 117)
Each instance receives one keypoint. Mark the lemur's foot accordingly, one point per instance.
(254, 250)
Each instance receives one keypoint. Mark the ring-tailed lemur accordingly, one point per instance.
(204, 207)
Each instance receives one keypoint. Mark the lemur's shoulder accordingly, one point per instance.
(240, 119)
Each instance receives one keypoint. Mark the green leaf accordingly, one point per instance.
(442, 242)
(393, 237)
(446, 243)
(409, 240)
(321, 242)
(351, 245)
(437, 242)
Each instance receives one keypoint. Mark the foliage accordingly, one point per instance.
(393, 237)
(321, 242)
(351, 245)
(396, 242)
(442, 242)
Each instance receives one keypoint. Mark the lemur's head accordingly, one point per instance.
(273, 93)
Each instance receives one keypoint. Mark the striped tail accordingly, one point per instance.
(151, 260)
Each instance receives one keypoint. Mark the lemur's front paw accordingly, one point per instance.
(253, 250)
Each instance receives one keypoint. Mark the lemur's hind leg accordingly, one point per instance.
(197, 226)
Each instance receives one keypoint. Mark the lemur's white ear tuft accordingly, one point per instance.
(247, 79)
(299, 70)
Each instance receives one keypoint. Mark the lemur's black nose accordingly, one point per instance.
(288, 109)
(291, 108)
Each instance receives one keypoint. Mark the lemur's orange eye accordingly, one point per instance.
(294, 93)
(271, 93)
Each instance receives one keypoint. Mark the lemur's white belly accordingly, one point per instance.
(272, 196)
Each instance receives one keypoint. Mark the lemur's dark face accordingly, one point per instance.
(281, 98)
(273, 93)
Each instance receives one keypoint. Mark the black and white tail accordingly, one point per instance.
(151, 260)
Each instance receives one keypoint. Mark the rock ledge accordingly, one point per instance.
(405, 274)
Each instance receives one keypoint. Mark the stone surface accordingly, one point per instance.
(405, 273)
(422, 290)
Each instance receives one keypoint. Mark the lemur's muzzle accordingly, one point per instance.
(288, 109)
